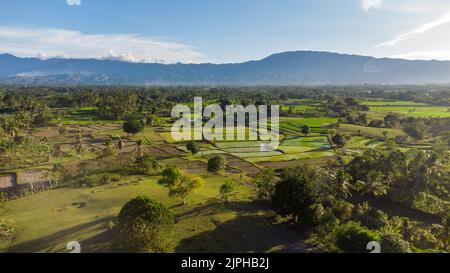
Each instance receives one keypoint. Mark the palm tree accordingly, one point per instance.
(138, 150)
(444, 237)
(343, 184)
(375, 184)
(80, 147)
(120, 144)
(109, 148)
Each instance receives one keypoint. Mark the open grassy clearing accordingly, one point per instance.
(47, 221)
(362, 142)
(82, 116)
(369, 131)
(383, 102)
(414, 111)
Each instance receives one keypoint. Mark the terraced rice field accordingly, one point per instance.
(294, 125)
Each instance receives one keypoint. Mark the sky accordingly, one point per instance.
(223, 31)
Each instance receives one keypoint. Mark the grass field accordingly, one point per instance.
(369, 131)
(382, 102)
(414, 111)
(49, 220)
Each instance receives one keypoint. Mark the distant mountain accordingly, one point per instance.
(288, 68)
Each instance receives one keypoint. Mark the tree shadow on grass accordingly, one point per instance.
(56, 242)
(252, 231)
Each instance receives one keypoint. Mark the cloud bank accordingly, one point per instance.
(64, 43)
(73, 2)
(405, 6)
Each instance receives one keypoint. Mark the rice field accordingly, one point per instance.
(414, 111)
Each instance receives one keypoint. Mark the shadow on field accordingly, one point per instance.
(253, 230)
(56, 242)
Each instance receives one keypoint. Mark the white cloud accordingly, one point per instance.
(48, 43)
(442, 20)
(370, 4)
(73, 2)
(405, 6)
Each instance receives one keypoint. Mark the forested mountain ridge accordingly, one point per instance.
(288, 68)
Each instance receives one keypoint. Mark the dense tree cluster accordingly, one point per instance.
(144, 225)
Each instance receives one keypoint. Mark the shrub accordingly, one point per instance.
(370, 217)
(296, 191)
(353, 238)
(393, 243)
(226, 190)
(342, 210)
(415, 132)
(147, 165)
(376, 123)
(133, 126)
(216, 164)
(153, 120)
(265, 184)
(179, 183)
(339, 140)
(193, 147)
(92, 180)
(144, 225)
(313, 216)
(306, 130)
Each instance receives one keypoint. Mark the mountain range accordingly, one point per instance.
(287, 68)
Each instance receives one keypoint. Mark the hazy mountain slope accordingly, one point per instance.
(298, 67)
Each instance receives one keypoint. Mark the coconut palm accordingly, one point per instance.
(120, 144)
(138, 150)
(375, 184)
(80, 146)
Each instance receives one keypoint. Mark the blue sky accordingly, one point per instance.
(223, 30)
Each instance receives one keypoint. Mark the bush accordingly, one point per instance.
(265, 184)
(179, 183)
(339, 140)
(193, 147)
(313, 216)
(147, 165)
(306, 130)
(353, 238)
(133, 126)
(376, 123)
(393, 243)
(226, 190)
(144, 225)
(153, 120)
(92, 180)
(342, 210)
(414, 132)
(296, 191)
(370, 217)
(216, 164)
